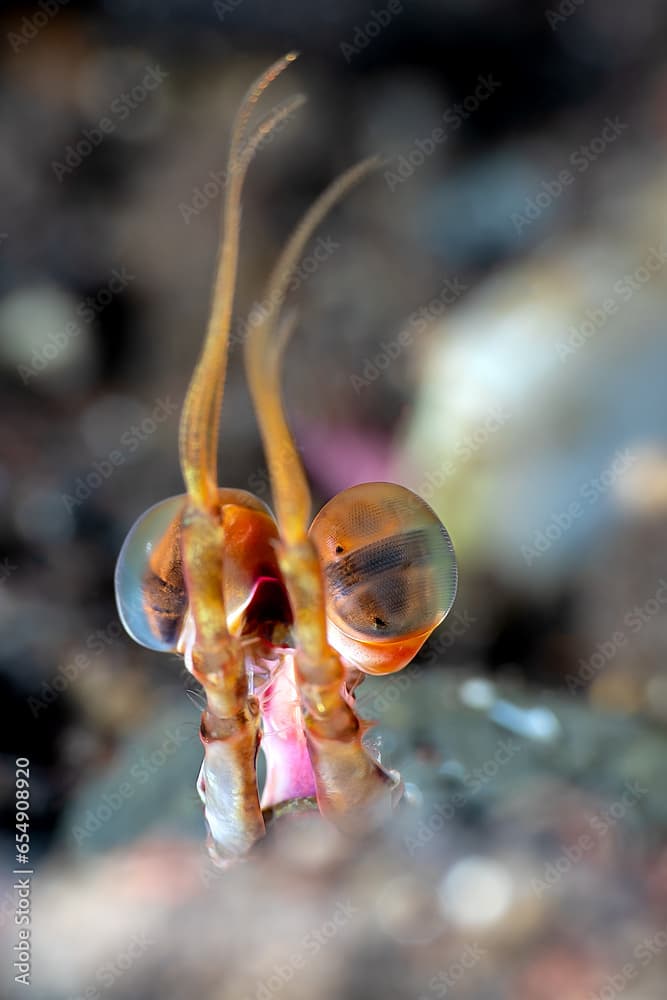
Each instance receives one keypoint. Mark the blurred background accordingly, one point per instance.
(484, 321)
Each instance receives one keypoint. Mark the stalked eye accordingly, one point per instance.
(150, 590)
(390, 573)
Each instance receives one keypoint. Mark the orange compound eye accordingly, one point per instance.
(151, 592)
(390, 573)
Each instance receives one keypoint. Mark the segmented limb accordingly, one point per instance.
(230, 725)
(353, 790)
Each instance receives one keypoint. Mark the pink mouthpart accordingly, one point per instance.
(289, 774)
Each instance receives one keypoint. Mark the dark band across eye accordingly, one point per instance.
(150, 590)
(389, 564)
(165, 604)
(378, 558)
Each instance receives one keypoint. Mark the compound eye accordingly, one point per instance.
(150, 589)
(389, 563)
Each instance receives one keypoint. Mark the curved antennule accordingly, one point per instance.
(265, 127)
(198, 434)
(263, 353)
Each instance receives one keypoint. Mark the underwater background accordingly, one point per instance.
(483, 321)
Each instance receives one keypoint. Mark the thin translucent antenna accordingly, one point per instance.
(198, 434)
(266, 126)
(264, 129)
(291, 494)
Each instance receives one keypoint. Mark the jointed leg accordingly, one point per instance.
(230, 726)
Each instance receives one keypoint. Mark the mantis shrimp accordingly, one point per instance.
(279, 621)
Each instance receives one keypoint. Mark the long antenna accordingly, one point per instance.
(198, 433)
(263, 352)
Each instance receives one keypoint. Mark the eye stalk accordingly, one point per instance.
(390, 574)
